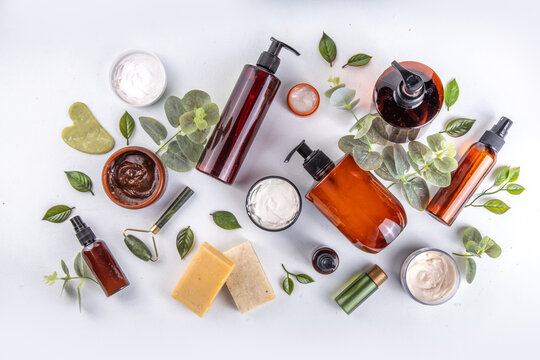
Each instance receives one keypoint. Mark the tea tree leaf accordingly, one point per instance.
(496, 206)
(395, 159)
(458, 127)
(126, 125)
(367, 160)
(79, 181)
(225, 220)
(327, 48)
(173, 110)
(195, 99)
(514, 189)
(288, 285)
(175, 159)
(304, 279)
(362, 126)
(58, 214)
(191, 150)
(502, 175)
(451, 93)
(78, 265)
(416, 192)
(64, 267)
(341, 98)
(419, 153)
(494, 251)
(470, 270)
(358, 60)
(138, 248)
(153, 128)
(471, 234)
(347, 143)
(184, 241)
(437, 142)
(445, 164)
(513, 174)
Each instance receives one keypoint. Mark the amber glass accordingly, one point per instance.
(359, 206)
(472, 169)
(99, 259)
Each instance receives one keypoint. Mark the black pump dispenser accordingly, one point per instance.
(316, 163)
(84, 233)
(494, 138)
(410, 92)
(269, 59)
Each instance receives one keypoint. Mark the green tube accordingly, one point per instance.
(355, 293)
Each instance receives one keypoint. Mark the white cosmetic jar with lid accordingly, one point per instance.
(430, 276)
(138, 78)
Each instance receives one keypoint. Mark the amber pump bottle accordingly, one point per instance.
(353, 200)
(99, 259)
(242, 116)
(472, 169)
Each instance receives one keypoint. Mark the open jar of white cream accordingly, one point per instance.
(430, 276)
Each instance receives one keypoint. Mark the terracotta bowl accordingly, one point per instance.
(161, 181)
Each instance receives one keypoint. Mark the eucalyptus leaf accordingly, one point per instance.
(153, 128)
(191, 150)
(367, 160)
(384, 174)
(175, 159)
(435, 177)
(354, 104)
(514, 174)
(358, 60)
(347, 143)
(419, 153)
(470, 246)
(212, 113)
(199, 136)
(458, 127)
(137, 247)
(199, 120)
(328, 93)
(64, 267)
(126, 125)
(445, 164)
(502, 175)
(288, 285)
(79, 181)
(416, 192)
(496, 206)
(414, 166)
(471, 234)
(225, 220)
(342, 98)
(58, 214)
(304, 279)
(184, 241)
(515, 189)
(395, 159)
(494, 251)
(173, 110)
(451, 93)
(376, 133)
(437, 142)
(187, 122)
(195, 99)
(470, 270)
(327, 48)
(78, 265)
(362, 126)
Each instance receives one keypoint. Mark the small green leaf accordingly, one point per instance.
(383, 173)
(138, 248)
(458, 127)
(50, 279)
(470, 270)
(304, 279)
(513, 175)
(199, 120)
(347, 143)
(64, 267)
(471, 234)
(212, 113)
(288, 285)
(367, 160)
(515, 189)
(173, 110)
(358, 60)
(395, 159)
(225, 220)
(437, 142)
(328, 93)
(342, 98)
(470, 246)
(435, 177)
(126, 125)
(377, 133)
(184, 241)
(199, 136)
(79, 181)
(445, 164)
(496, 206)
(195, 99)
(362, 126)
(153, 128)
(58, 214)
(175, 159)
(327, 48)
(78, 265)
(191, 150)
(502, 175)
(484, 244)
(494, 251)
(451, 93)
(419, 153)
(416, 192)
(187, 122)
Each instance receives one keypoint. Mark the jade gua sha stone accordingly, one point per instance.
(86, 134)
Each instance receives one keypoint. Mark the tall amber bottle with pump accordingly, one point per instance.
(472, 169)
(99, 259)
(353, 200)
(242, 116)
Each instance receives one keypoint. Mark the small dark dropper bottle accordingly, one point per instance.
(325, 260)
(99, 259)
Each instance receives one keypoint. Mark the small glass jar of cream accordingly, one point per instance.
(430, 276)
(273, 203)
(303, 99)
(138, 78)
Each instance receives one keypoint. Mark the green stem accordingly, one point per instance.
(77, 277)
(162, 147)
(392, 184)
(484, 193)
(288, 273)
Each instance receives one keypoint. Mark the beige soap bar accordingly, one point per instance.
(248, 284)
(203, 278)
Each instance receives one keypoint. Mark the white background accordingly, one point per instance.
(53, 53)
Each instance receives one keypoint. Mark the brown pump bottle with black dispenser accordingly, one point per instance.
(472, 169)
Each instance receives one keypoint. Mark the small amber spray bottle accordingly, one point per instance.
(99, 259)
(472, 169)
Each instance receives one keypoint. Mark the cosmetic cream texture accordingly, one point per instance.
(303, 99)
(430, 276)
(139, 78)
(273, 203)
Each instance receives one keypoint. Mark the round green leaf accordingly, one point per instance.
(330, 91)
(383, 173)
(470, 270)
(327, 48)
(184, 241)
(79, 181)
(358, 60)
(436, 177)
(470, 247)
(153, 128)
(175, 159)
(414, 166)
(199, 120)
(347, 143)
(126, 125)
(137, 247)
(187, 123)
(195, 99)
(212, 113)
(304, 279)
(367, 160)
(446, 164)
(419, 153)
(494, 251)
(459, 127)
(471, 234)
(191, 150)
(416, 192)
(502, 175)
(515, 189)
(173, 110)
(58, 213)
(451, 93)
(395, 159)
(342, 98)
(199, 136)
(513, 175)
(225, 220)
(362, 126)
(288, 285)
(437, 142)
(496, 206)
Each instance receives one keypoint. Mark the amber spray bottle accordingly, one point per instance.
(472, 169)
(99, 259)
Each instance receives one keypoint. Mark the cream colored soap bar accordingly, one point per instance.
(248, 284)
(203, 278)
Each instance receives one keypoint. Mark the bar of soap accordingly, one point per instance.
(248, 284)
(204, 277)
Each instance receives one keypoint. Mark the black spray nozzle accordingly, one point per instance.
(494, 138)
(316, 163)
(410, 91)
(269, 59)
(83, 232)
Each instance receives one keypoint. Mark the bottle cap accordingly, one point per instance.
(411, 90)
(494, 138)
(83, 232)
(269, 59)
(316, 163)
(377, 275)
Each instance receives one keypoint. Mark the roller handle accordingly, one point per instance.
(172, 209)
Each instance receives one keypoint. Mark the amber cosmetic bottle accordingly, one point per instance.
(353, 200)
(472, 169)
(99, 259)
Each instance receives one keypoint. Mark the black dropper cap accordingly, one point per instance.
(316, 163)
(494, 138)
(411, 90)
(84, 233)
(269, 59)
